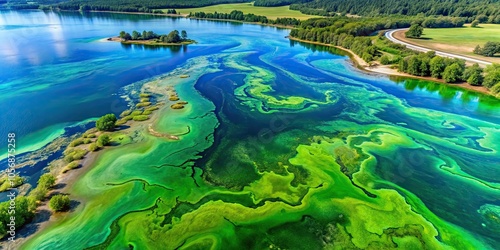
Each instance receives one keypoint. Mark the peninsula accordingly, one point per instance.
(151, 38)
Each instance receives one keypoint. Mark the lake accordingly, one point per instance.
(283, 144)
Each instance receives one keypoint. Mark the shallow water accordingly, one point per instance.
(290, 146)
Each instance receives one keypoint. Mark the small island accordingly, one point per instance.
(151, 38)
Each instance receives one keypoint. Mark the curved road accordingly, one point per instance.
(389, 34)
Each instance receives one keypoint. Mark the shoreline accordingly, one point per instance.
(184, 16)
(387, 70)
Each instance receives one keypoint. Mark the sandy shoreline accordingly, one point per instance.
(387, 70)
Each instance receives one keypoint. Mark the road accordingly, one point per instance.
(390, 35)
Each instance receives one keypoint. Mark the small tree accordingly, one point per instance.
(103, 140)
(184, 35)
(474, 75)
(452, 73)
(415, 31)
(135, 35)
(106, 122)
(46, 180)
(59, 203)
(384, 60)
(475, 24)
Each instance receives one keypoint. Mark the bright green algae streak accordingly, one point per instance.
(317, 164)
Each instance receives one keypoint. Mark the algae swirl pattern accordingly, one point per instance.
(293, 149)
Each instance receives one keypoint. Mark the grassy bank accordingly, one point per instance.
(269, 12)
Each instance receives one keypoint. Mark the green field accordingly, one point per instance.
(459, 40)
(269, 12)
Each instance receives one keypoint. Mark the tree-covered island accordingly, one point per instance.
(151, 38)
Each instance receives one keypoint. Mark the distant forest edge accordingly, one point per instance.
(147, 6)
(486, 11)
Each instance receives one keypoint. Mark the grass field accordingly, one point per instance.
(269, 12)
(458, 40)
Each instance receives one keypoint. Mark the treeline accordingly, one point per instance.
(276, 3)
(489, 49)
(147, 6)
(240, 16)
(487, 10)
(355, 34)
(172, 37)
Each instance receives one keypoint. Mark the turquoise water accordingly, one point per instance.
(290, 145)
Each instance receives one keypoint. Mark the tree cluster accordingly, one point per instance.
(489, 49)
(172, 37)
(25, 206)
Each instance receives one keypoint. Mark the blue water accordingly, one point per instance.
(56, 72)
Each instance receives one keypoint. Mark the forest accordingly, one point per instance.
(488, 10)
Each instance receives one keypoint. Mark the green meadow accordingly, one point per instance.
(460, 40)
(269, 12)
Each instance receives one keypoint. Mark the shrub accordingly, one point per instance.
(6, 183)
(177, 106)
(121, 122)
(70, 166)
(39, 193)
(144, 99)
(93, 147)
(74, 154)
(144, 95)
(47, 180)
(142, 104)
(152, 108)
(87, 141)
(147, 112)
(103, 140)
(173, 98)
(125, 113)
(76, 142)
(106, 122)
(60, 202)
(136, 112)
(141, 117)
(91, 135)
(384, 60)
